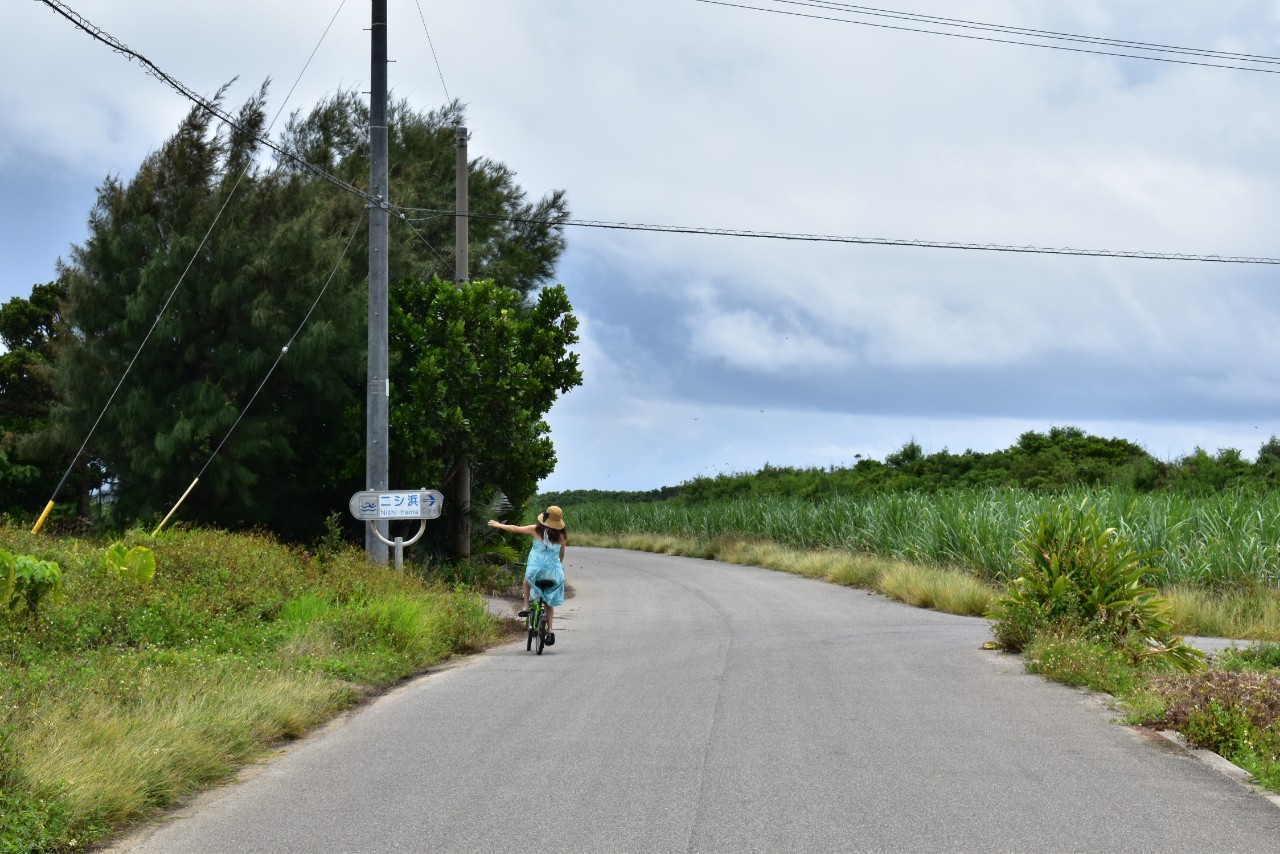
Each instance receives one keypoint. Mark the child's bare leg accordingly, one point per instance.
(526, 594)
(551, 614)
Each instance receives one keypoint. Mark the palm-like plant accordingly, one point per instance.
(1076, 574)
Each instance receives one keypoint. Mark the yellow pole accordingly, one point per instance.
(43, 516)
(175, 507)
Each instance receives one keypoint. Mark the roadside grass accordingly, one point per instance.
(1252, 613)
(126, 697)
(953, 591)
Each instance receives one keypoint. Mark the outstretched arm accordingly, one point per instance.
(515, 529)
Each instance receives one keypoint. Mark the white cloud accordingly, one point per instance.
(683, 113)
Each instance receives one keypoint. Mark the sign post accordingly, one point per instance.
(373, 507)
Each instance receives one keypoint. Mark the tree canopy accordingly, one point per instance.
(481, 369)
(28, 329)
(1062, 458)
(206, 263)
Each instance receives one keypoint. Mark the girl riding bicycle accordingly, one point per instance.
(545, 563)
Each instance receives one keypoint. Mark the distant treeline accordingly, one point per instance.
(1063, 458)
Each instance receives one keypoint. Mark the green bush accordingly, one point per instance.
(1081, 577)
(26, 582)
(30, 825)
(239, 641)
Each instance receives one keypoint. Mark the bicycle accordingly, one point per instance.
(536, 621)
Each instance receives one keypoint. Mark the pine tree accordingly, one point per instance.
(225, 308)
(205, 263)
(28, 329)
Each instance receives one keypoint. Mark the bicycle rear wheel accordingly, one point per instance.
(542, 630)
(531, 623)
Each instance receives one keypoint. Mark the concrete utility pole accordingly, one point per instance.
(462, 273)
(378, 406)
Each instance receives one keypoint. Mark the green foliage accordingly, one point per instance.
(1063, 459)
(136, 564)
(27, 582)
(1074, 660)
(332, 541)
(1235, 713)
(483, 369)
(1224, 545)
(29, 469)
(133, 695)
(254, 281)
(295, 454)
(31, 825)
(1258, 656)
(1080, 576)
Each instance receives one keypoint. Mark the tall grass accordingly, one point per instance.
(126, 696)
(1226, 541)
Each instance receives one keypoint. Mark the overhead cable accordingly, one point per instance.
(360, 220)
(212, 108)
(875, 241)
(961, 23)
(1044, 34)
(120, 48)
(433, 50)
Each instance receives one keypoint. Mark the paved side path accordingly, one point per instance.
(695, 706)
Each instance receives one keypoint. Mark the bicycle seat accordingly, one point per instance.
(546, 584)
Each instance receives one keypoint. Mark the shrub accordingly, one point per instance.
(26, 582)
(1076, 575)
(136, 565)
(1234, 713)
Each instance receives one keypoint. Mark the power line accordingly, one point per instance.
(1045, 34)
(119, 47)
(433, 50)
(360, 221)
(877, 241)
(718, 232)
(210, 107)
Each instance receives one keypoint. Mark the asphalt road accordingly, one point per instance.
(696, 706)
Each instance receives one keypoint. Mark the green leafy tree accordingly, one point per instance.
(481, 366)
(1202, 473)
(230, 305)
(231, 302)
(513, 241)
(28, 329)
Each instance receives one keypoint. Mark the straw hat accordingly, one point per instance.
(553, 517)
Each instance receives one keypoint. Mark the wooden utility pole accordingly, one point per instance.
(378, 402)
(461, 274)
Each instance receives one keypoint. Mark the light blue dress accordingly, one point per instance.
(544, 565)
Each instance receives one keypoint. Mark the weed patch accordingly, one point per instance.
(1074, 660)
(149, 680)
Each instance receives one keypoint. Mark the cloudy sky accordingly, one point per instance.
(707, 354)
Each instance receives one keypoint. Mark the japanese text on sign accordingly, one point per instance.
(416, 504)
